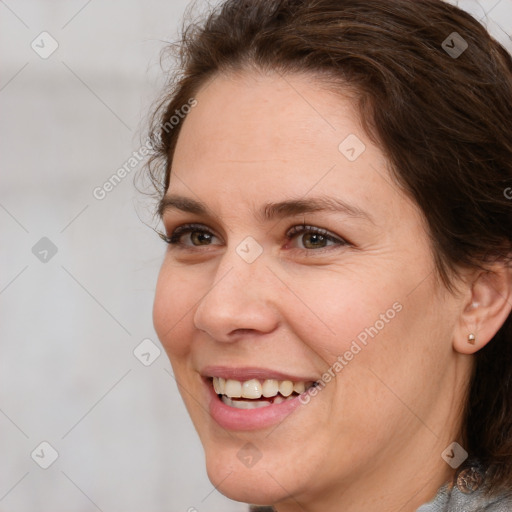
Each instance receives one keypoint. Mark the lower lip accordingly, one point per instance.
(248, 419)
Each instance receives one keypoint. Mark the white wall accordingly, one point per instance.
(69, 326)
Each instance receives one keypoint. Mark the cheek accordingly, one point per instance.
(172, 306)
(333, 310)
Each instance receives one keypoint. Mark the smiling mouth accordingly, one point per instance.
(255, 393)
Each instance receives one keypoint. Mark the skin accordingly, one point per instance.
(372, 438)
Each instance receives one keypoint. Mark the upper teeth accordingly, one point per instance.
(255, 389)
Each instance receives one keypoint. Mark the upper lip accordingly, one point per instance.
(243, 373)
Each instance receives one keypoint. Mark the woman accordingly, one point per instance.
(336, 296)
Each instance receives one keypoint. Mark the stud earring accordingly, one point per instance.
(471, 338)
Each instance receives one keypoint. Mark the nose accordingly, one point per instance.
(240, 300)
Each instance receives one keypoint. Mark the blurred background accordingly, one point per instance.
(90, 415)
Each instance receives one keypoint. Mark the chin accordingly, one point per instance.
(248, 485)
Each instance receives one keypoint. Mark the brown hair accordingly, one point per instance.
(444, 122)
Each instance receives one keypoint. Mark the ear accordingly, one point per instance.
(485, 308)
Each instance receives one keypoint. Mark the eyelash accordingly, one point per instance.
(174, 238)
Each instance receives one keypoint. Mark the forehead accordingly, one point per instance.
(255, 118)
(257, 137)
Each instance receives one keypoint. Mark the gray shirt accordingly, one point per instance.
(466, 495)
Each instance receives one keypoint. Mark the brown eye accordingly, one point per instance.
(199, 236)
(314, 238)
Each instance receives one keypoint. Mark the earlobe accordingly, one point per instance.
(485, 309)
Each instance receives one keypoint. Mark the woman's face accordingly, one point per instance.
(357, 306)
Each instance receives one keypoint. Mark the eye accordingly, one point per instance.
(312, 237)
(199, 236)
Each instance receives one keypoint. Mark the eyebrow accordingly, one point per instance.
(270, 211)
